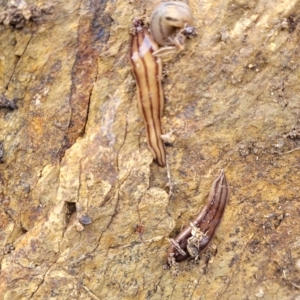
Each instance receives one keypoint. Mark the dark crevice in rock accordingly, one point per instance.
(6, 103)
(23, 230)
(1, 153)
(71, 208)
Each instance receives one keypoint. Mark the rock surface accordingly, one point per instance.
(86, 214)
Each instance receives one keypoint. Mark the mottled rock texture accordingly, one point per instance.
(74, 151)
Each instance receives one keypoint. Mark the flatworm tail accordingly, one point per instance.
(217, 201)
(147, 71)
(207, 221)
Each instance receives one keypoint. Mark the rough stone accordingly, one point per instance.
(76, 147)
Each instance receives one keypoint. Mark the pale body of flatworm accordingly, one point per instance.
(147, 71)
(193, 239)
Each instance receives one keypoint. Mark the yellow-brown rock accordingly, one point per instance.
(75, 150)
